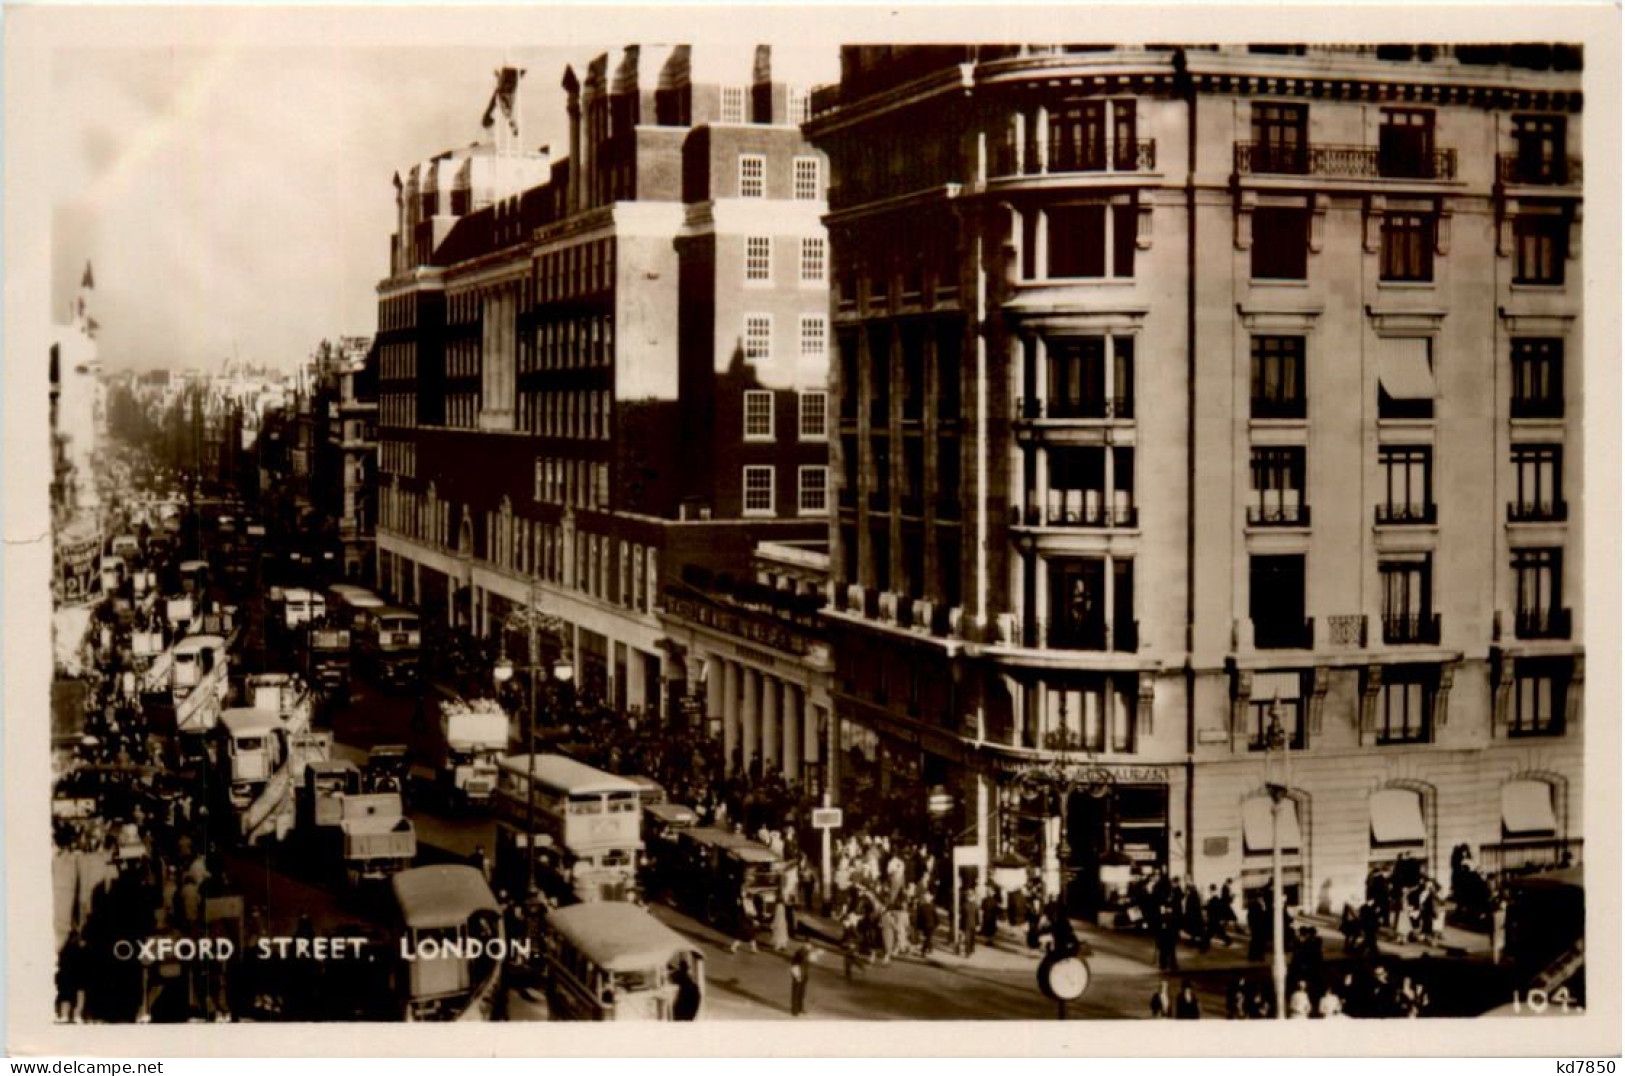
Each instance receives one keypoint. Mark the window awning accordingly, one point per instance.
(1526, 809)
(1255, 825)
(1396, 817)
(1285, 686)
(1404, 369)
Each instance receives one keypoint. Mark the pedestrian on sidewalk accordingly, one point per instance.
(926, 919)
(1168, 942)
(1298, 1006)
(1218, 917)
(800, 972)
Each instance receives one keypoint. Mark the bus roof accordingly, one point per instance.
(1564, 878)
(671, 813)
(746, 849)
(565, 774)
(193, 643)
(617, 936)
(444, 895)
(395, 610)
(248, 721)
(296, 594)
(347, 590)
(194, 565)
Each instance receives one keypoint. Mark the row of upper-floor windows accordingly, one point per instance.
(463, 410)
(569, 344)
(759, 494)
(398, 362)
(581, 269)
(398, 313)
(463, 357)
(398, 458)
(812, 415)
(398, 409)
(811, 262)
(806, 178)
(584, 414)
(901, 356)
(575, 482)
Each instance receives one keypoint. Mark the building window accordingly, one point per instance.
(758, 415)
(1538, 579)
(733, 104)
(1278, 377)
(1407, 601)
(1405, 144)
(1275, 597)
(759, 258)
(813, 491)
(752, 175)
(1541, 156)
(1540, 692)
(1407, 246)
(814, 416)
(1407, 475)
(812, 261)
(1277, 695)
(808, 179)
(1541, 244)
(1538, 472)
(1084, 712)
(1278, 482)
(1084, 240)
(800, 105)
(758, 337)
(1407, 704)
(1280, 139)
(1537, 378)
(1089, 377)
(1280, 243)
(814, 336)
(758, 491)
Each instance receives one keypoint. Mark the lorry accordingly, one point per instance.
(262, 751)
(472, 735)
(374, 838)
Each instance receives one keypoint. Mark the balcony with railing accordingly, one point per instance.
(1393, 515)
(1410, 629)
(1089, 509)
(1066, 156)
(1278, 515)
(1515, 169)
(1099, 408)
(1549, 623)
(1343, 162)
(1537, 511)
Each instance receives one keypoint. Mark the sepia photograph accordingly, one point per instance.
(553, 526)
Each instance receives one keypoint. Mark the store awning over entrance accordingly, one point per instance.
(1526, 809)
(1396, 817)
(1255, 825)
(1404, 369)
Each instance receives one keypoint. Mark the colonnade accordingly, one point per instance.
(763, 716)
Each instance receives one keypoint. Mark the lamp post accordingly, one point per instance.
(1278, 780)
(533, 620)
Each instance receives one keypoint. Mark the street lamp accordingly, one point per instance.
(1278, 781)
(532, 619)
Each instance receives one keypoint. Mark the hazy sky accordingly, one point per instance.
(237, 200)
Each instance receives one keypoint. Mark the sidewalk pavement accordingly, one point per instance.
(1129, 953)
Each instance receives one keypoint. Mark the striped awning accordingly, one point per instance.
(1404, 369)
(1396, 817)
(1526, 809)
(1256, 832)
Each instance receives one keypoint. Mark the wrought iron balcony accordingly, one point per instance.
(1069, 157)
(1537, 511)
(1087, 514)
(1400, 514)
(1278, 515)
(1539, 172)
(1406, 629)
(1342, 162)
(1551, 623)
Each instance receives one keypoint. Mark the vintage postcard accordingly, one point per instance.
(806, 515)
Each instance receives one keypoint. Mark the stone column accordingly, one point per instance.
(713, 688)
(730, 712)
(770, 723)
(636, 688)
(792, 732)
(751, 716)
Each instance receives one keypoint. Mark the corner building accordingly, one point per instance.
(596, 369)
(1177, 386)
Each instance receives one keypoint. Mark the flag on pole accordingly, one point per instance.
(502, 99)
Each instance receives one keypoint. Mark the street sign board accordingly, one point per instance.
(970, 855)
(826, 818)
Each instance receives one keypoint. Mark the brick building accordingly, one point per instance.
(596, 369)
(1109, 324)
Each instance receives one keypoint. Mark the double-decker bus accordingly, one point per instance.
(580, 827)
